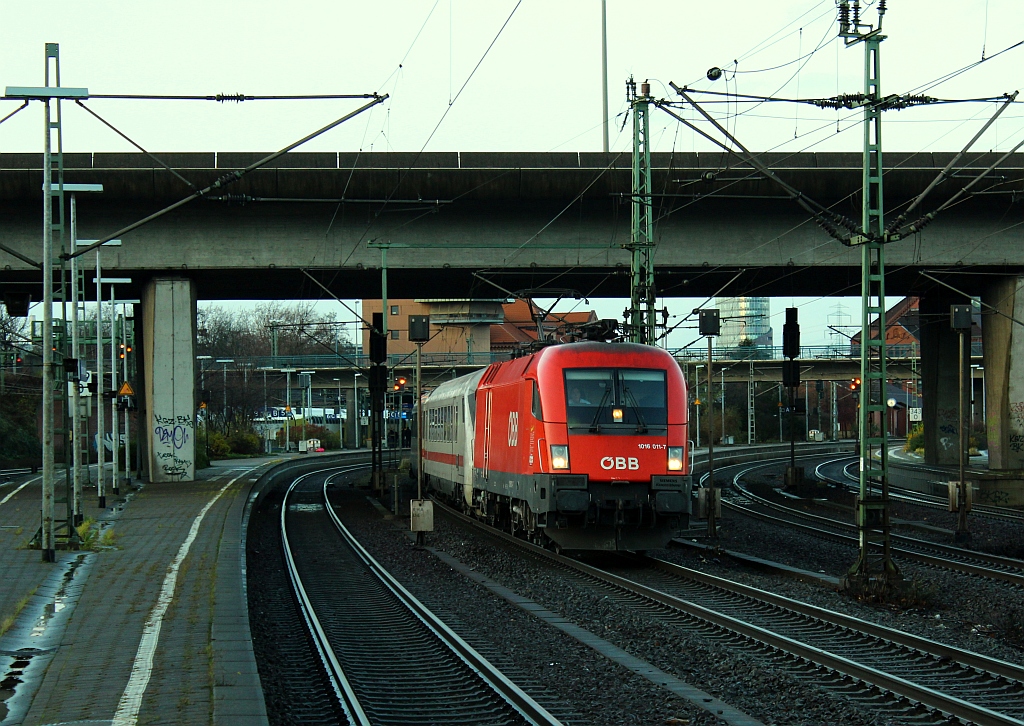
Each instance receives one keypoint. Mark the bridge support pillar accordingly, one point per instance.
(168, 386)
(940, 385)
(1004, 373)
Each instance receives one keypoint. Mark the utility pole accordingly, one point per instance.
(874, 564)
(642, 300)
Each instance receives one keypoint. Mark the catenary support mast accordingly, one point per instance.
(641, 314)
(874, 563)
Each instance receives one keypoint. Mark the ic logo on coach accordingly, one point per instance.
(620, 462)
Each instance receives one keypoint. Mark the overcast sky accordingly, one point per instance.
(538, 88)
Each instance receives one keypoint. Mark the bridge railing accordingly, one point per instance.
(693, 354)
(811, 352)
(349, 361)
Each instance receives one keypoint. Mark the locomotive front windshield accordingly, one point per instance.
(623, 400)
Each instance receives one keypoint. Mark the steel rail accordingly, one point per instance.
(342, 688)
(1014, 574)
(937, 502)
(498, 682)
(900, 686)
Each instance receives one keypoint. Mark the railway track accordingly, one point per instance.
(906, 677)
(933, 554)
(389, 659)
(932, 501)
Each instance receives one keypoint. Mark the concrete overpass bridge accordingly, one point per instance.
(524, 220)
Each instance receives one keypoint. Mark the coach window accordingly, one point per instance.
(538, 413)
(394, 335)
(394, 310)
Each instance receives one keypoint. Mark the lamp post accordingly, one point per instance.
(79, 476)
(115, 427)
(355, 406)
(101, 492)
(225, 361)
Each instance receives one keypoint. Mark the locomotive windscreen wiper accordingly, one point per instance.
(595, 426)
(641, 426)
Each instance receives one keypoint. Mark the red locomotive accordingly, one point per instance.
(583, 445)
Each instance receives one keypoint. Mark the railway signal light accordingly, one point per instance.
(855, 384)
(791, 335)
(400, 383)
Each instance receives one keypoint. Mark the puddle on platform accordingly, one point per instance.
(26, 649)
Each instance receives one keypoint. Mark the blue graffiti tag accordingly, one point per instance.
(176, 435)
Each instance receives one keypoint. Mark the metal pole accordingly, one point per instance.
(604, 72)
(101, 434)
(696, 386)
(46, 542)
(419, 422)
(76, 418)
(712, 520)
(722, 375)
(780, 413)
(355, 407)
(962, 532)
(287, 411)
(115, 428)
(225, 414)
(127, 421)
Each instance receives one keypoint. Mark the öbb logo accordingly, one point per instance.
(620, 462)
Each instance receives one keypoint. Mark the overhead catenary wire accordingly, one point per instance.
(226, 179)
(448, 108)
(133, 142)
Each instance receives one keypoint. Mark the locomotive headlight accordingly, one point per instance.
(617, 415)
(675, 458)
(559, 456)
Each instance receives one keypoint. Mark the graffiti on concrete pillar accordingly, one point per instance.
(171, 438)
(1017, 413)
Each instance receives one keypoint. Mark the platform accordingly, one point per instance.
(1000, 488)
(149, 627)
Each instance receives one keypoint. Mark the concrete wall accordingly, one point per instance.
(169, 321)
(1004, 372)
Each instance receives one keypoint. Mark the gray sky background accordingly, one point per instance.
(538, 88)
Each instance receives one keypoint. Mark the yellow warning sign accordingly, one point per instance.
(125, 390)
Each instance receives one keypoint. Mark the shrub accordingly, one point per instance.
(218, 444)
(244, 442)
(915, 439)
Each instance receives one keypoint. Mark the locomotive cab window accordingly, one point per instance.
(623, 400)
